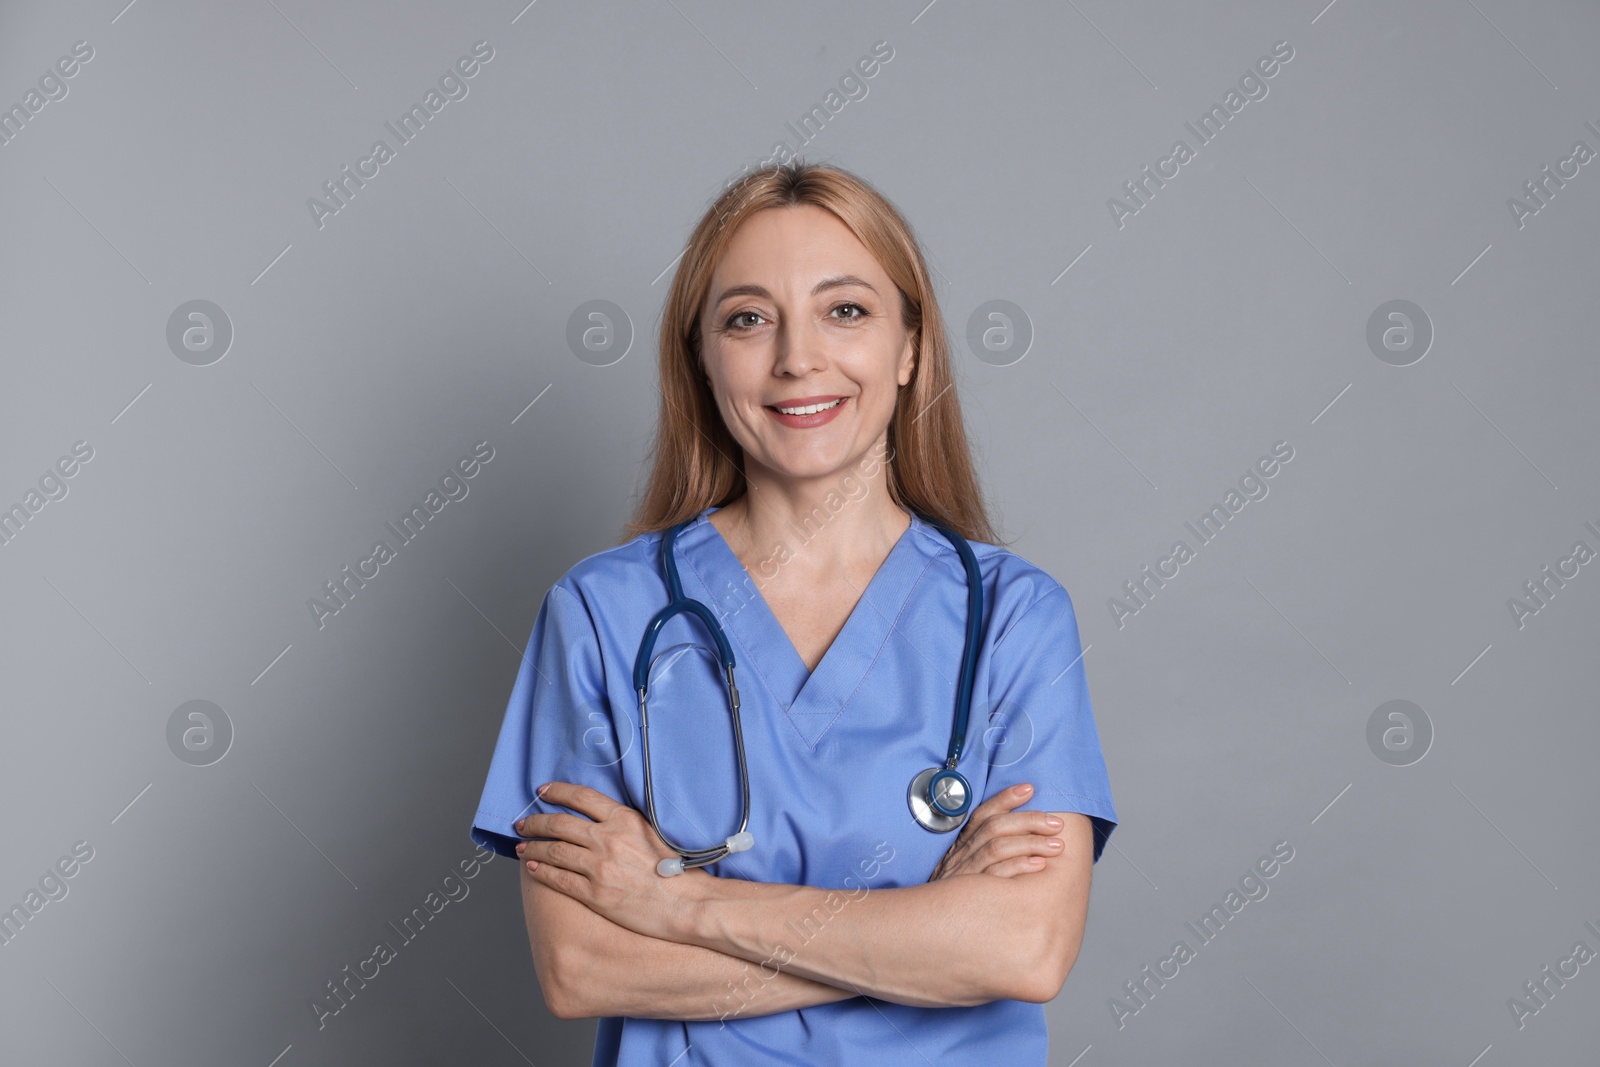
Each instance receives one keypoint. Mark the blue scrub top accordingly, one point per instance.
(830, 755)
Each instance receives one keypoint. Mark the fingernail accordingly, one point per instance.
(541, 789)
(533, 865)
(1023, 790)
(1053, 822)
(1053, 843)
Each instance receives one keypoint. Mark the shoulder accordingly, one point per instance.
(601, 577)
(1014, 587)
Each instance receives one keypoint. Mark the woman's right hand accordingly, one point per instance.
(999, 841)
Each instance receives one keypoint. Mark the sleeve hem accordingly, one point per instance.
(484, 837)
(1101, 814)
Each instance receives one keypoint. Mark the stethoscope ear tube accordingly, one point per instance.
(676, 603)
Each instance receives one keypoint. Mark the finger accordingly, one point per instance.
(591, 802)
(1023, 822)
(562, 854)
(558, 878)
(1020, 865)
(1011, 824)
(1006, 799)
(1006, 848)
(556, 824)
(998, 804)
(973, 833)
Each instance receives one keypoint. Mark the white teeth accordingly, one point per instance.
(812, 409)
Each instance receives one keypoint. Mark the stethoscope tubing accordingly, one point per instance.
(715, 852)
(969, 651)
(678, 603)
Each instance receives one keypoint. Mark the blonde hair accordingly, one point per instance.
(698, 464)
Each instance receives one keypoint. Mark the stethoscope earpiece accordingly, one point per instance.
(739, 842)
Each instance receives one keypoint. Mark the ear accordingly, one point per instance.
(908, 358)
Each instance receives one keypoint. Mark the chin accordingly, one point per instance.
(802, 470)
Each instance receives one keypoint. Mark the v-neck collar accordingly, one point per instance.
(811, 699)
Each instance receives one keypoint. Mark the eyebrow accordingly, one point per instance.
(836, 282)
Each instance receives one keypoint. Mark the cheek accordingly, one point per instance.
(738, 404)
(884, 385)
(734, 394)
(883, 410)
(742, 383)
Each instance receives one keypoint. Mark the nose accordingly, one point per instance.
(798, 349)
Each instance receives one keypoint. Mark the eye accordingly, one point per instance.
(734, 323)
(863, 312)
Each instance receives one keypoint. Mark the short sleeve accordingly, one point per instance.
(1041, 727)
(558, 724)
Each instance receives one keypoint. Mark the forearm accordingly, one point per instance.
(954, 942)
(625, 973)
(610, 970)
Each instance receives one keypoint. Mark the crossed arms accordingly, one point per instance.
(1001, 918)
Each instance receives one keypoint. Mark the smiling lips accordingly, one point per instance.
(807, 411)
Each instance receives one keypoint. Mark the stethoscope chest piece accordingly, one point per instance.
(939, 798)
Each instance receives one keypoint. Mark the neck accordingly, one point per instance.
(783, 529)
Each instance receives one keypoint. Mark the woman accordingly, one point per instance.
(809, 440)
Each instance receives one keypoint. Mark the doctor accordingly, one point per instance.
(808, 424)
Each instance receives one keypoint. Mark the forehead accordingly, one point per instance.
(789, 248)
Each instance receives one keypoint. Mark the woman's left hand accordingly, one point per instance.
(608, 862)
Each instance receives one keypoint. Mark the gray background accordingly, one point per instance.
(369, 355)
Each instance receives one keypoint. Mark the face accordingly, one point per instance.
(800, 314)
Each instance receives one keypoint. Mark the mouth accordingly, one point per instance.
(807, 405)
(802, 413)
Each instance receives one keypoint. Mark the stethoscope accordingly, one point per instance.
(939, 797)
